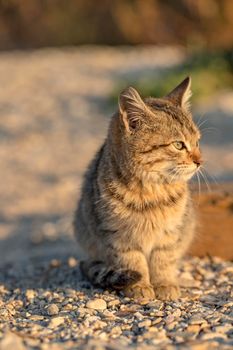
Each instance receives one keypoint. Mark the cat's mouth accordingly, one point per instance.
(184, 172)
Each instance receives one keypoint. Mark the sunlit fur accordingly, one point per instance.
(135, 218)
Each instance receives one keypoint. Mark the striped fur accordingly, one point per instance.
(135, 217)
(105, 276)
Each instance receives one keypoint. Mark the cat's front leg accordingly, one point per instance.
(163, 274)
(135, 260)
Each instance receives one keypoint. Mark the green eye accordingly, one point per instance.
(179, 145)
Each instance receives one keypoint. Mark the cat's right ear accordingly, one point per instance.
(131, 108)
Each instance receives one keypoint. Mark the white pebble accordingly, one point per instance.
(56, 321)
(145, 323)
(97, 304)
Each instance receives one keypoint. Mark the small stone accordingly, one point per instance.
(139, 315)
(155, 305)
(171, 326)
(169, 319)
(209, 275)
(72, 262)
(187, 280)
(55, 263)
(113, 303)
(207, 336)
(196, 319)
(145, 323)
(36, 317)
(159, 314)
(52, 310)
(71, 293)
(205, 345)
(56, 321)
(223, 328)
(153, 329)
(193, 328)
(157, 320)
(96, 304)
(30, 294)
(177, 313)
(99, 324)
(85, 311)
(108, 314)
(116, 330)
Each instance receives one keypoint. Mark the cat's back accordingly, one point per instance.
(86, 214)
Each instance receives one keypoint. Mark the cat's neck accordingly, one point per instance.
(125, 183)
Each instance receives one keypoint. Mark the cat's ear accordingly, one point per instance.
(132, 108)
(181, 94)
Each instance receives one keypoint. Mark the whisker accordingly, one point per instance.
(199, 186)
(200, 121)
(212, 177)
(205, 179)
(211, 128)
(174, 175)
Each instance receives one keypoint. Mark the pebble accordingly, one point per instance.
(177, 313)
(52, 310)
(99, 324)
(193, 328)
(30, 294)
(197, 319)
(56, 321)
(36, 317)
(223, 329)
(153, 329)
(157, 320)
(145, 323)
(207, 336)
(113, 303)
(138, 315)
(116, 330)
(169, 319)
(96, 304)
(72, 262)
(171, 326)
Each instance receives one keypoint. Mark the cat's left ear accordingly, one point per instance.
(132, 109)
(181, 94)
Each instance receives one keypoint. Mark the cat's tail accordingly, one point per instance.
(103, 276)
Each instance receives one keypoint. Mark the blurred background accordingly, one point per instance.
(62, 66)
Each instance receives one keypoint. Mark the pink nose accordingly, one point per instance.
(197, 162)
(196, 157)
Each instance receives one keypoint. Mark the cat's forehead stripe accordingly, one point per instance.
(170, 110)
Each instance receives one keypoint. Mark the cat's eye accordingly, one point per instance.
(197, 144)
(179, 145)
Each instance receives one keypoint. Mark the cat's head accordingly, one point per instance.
(158, 135)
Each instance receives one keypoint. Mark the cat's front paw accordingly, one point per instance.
(140, 292)
(168, 292)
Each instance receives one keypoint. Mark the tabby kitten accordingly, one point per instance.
(135, 218)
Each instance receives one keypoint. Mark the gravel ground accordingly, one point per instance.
(53, 116)
(48, 306)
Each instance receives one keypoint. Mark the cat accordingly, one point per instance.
(135, 218)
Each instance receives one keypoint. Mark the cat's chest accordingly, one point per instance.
(154, 228)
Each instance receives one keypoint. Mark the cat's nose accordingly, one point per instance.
(196, 157)
(198, 162)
